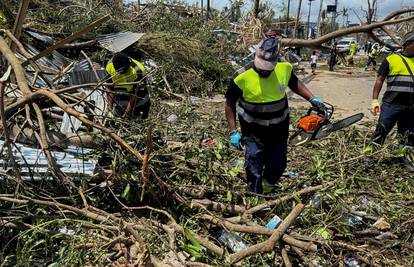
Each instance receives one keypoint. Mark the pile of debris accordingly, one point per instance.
(173, 193)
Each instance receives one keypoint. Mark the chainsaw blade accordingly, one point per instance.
(338, 125)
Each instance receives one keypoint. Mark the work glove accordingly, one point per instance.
(318, 104)
(235, 139)
(375, 105)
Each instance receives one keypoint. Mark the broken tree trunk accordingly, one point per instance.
(367, 28)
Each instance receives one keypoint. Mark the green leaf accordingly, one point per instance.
(190, 237)
(194, 251)
(126, 191)
(218, 156)
(235, 171)
(229, 196)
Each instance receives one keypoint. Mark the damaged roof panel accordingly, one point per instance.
(116, 42)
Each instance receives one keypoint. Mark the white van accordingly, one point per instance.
(345, 44)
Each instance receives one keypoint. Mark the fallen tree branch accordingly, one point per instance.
(285, 257)
(278, 201)
(327, 37)
(267, 246)
(307, 246)
(302, 257)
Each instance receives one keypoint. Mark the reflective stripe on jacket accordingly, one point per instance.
(398, 78)
(131, 75)
(264, 100)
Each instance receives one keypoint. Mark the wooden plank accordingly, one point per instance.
(68, 39)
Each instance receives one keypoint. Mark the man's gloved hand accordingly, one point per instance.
(235, 139)
(375, 105)
(318, 104)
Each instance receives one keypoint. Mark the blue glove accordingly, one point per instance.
(235, 139)
(318, 104)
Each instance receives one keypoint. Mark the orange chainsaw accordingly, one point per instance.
(315, 125)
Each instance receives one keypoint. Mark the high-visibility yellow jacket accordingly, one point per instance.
(264, 100)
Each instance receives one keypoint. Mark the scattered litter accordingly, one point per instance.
(172, 118)
(232, 241)
(382, 224)
(66, 231)
(291, 174)
(274, 222)
(316, 201)
(208, 141)
(352, 262)
(195, 100)
(364, 201)
(386, 236)
(351, 219)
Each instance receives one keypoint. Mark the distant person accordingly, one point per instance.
(314, 60)
(371, 57)
(352, 51)
(369, 47)
(332, 57)
(398, 100)
(366, 47)
(129, 100)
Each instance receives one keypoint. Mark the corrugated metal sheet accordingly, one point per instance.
(41, 37)
(116, 42)
(82, 73)
(85, 76)
(56, 60)
(73, 161)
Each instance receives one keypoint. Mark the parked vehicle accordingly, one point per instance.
(345, 44)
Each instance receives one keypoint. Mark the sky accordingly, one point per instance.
(384, 7)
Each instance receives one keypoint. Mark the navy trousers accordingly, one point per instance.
(264, 162)
(391, 115)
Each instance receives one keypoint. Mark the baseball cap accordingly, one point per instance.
(266, 54)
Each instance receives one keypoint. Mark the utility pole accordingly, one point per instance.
(319, 17)
(334, 15)
(202, 7)
(310, 7)
(295, 31)
(287, 18)
(208, 9)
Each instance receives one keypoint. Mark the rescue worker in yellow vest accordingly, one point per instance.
(128, 100)
(257, 93)
(352, 51)
(398, 100)
(371, 57)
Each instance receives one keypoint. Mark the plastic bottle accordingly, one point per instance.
(232, 241)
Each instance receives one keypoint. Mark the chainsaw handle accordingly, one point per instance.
(327, 115)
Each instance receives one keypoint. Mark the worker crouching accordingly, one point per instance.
(128, 100)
